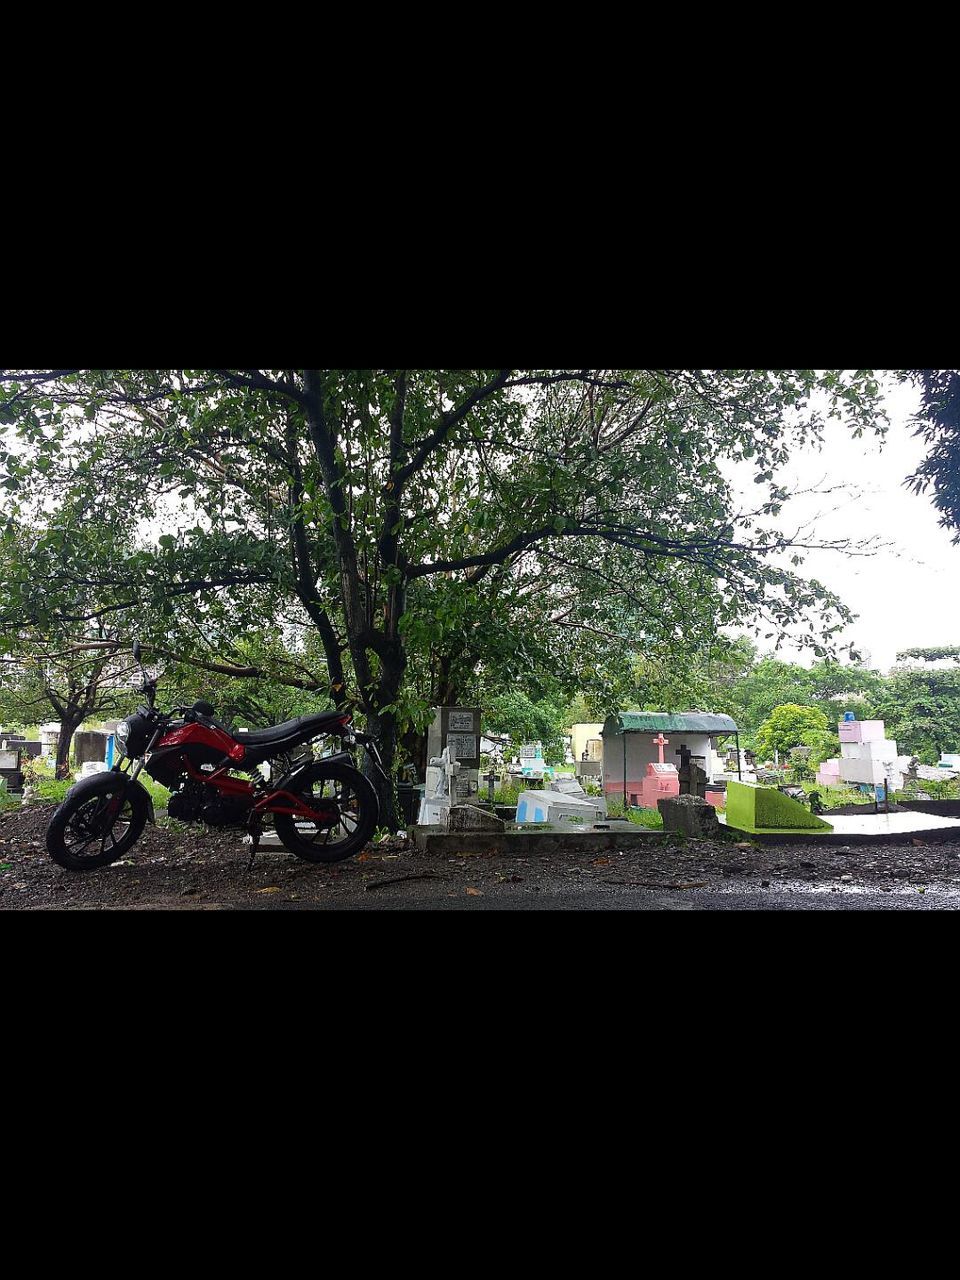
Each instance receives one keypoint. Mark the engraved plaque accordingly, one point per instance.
(463, 746)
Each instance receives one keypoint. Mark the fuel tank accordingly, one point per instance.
(199, 744)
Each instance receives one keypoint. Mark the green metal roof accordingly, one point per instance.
(666, 722)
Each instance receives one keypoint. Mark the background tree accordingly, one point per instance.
(69, 684)
(920, 706)
(787, 727)
(528, 721)
(832, 687)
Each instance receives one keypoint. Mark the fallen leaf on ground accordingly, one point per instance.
(273, 888)
(475, 893)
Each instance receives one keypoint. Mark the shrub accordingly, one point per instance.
(507, 793)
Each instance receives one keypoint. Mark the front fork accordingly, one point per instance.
(114, 806)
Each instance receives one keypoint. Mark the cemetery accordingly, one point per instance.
(704, 791)
(717, 814)
(686, 770)
(533, 587)
(92, 750)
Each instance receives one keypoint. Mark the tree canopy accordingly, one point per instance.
(938, 423)
(920, 706)
(790, 726)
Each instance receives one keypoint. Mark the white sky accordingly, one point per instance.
(905, 596)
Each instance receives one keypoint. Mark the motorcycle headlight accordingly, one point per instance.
(122, 736)
(134, 733)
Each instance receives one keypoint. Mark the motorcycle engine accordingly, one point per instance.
(194, 802)
(184, 805)
(224, 811)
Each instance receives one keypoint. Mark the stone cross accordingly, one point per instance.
(661, 742)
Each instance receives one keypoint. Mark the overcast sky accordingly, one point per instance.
(906, 596)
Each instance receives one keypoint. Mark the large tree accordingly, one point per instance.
(790, 726)
(419, 518)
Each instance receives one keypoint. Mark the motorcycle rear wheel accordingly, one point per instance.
(83, 834)
(358, 809)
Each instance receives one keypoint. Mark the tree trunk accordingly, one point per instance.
(68, 727)
(384, 729)
(414, 747)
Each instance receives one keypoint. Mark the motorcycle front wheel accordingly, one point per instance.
(353, 805)
(97, 826)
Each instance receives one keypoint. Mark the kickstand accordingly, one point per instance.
(255, 827)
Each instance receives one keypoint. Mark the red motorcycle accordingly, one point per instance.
(323, 809)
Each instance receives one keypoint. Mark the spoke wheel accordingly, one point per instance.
(353, 809)
(96, 826)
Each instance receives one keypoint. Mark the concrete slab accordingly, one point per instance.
(881, 823)
(861, 829)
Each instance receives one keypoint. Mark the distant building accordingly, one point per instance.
(586, 738)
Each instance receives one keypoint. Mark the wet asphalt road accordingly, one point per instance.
(415, 896)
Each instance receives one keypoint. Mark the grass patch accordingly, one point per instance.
(649, 818)
(158, 794)
(837, 797)
(39, 775)
(54, 789)
(507, 793)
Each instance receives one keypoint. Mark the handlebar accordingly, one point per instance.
(192, 712)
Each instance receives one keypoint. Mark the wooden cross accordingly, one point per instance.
(661, 742)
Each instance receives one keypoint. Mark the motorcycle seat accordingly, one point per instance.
(292, 731)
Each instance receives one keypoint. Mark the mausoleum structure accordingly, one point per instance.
(868, 758)
(630, 745)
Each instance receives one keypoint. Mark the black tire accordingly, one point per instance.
(357, 804)
(83, 835)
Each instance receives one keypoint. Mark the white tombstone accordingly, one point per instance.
(89, 767)
(440, 791)
(559, 807)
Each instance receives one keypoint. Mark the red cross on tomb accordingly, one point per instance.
(660, 741)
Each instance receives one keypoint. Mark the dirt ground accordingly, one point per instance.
(194, 867)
